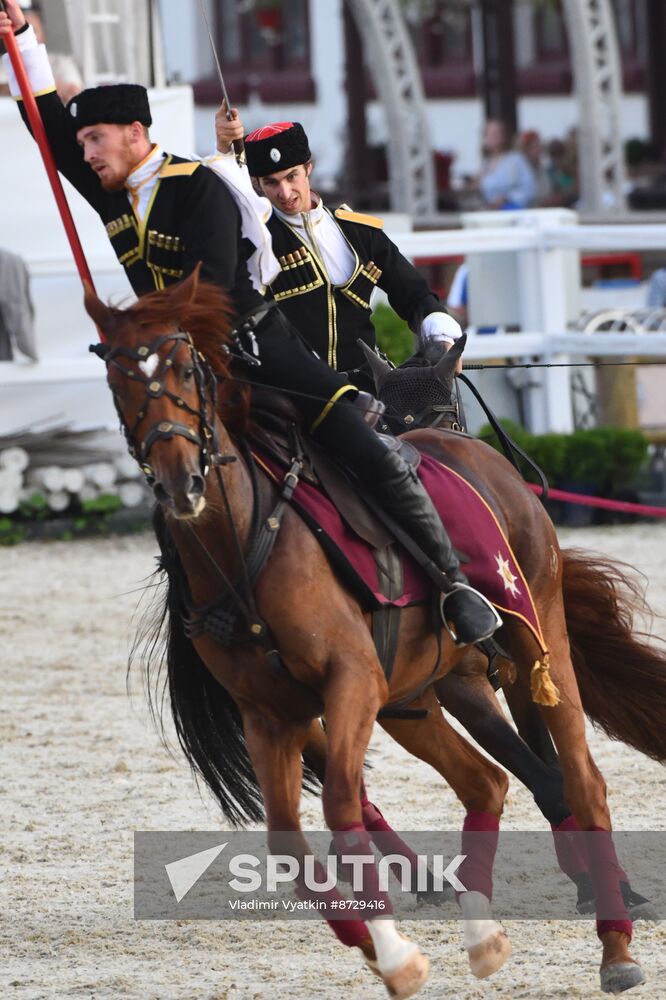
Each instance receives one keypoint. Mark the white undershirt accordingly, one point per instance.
(142, 182)
(320, 231)
(322, 234)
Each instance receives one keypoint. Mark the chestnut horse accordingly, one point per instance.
(244, 725)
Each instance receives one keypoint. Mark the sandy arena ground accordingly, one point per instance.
(83, 769)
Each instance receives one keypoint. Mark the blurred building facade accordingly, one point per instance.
(304, 60)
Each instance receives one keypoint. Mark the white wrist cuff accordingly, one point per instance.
(37, 66)
(440, 326)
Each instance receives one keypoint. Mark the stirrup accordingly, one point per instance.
(494, 623)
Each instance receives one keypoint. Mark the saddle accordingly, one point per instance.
(274, 418)
(362, 550)
(274, 422)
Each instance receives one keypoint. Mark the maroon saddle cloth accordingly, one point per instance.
(491, 567)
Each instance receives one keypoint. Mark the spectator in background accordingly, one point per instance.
(563, 171)
(67, 76)
(507, 180)
(656, 292)
(532, 149)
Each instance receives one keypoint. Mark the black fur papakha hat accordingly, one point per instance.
(276, 147)
(118, 104)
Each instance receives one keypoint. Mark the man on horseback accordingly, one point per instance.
(164, 215)
(330, 262)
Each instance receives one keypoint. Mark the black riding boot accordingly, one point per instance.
(468, 614)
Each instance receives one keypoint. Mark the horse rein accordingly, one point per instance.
(207, 439)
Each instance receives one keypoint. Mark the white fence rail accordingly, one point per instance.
(574, 345)
(524, 271)
(529, 263)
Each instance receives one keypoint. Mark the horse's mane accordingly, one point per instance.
(207, 317)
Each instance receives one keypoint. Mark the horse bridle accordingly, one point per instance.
(155, 383)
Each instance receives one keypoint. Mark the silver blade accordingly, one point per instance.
(220, 75)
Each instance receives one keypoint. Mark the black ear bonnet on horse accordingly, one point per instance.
(413, 387)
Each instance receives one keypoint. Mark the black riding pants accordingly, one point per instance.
(289, 365)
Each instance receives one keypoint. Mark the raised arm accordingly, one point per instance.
(227, 131)
(57, 121)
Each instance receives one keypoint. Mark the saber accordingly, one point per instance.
(39, 132)
(239, 145)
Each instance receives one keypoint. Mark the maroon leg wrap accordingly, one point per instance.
(355, 840)
(479, 843)
(389, 842)
(349, 932)
(570, 851)
(606, 874)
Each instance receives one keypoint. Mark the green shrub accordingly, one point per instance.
(587, 458)
(549, 452)
(516, 431)
(609, 458)
(106, 503)
(606, 459)
(394, 337)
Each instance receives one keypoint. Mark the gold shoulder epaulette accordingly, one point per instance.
(179, 169)
(345, 213)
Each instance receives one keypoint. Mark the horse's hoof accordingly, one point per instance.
(490, 955)
(621, 976)
(638, 907)
(644, 911)
(408, 979)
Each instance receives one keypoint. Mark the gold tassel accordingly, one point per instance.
(544, 692)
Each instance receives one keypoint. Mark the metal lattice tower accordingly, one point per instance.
(598, 79)
(399, 87)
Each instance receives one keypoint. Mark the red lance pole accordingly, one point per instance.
(39, 133)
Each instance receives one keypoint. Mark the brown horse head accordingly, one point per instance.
(158, 356)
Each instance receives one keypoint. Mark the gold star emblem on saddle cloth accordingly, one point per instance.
(505, 575)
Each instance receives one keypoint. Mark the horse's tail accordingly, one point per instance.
(621, 676)
(207, 721)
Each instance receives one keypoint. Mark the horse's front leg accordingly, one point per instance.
(353, 694)
(481, 787)
(466, 693)
(275, 749)
(384, 836)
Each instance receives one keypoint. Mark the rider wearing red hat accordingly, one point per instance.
(330, 262)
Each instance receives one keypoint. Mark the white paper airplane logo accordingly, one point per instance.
(186, 873)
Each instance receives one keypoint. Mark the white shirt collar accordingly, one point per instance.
(147, 166)
(314, 216)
